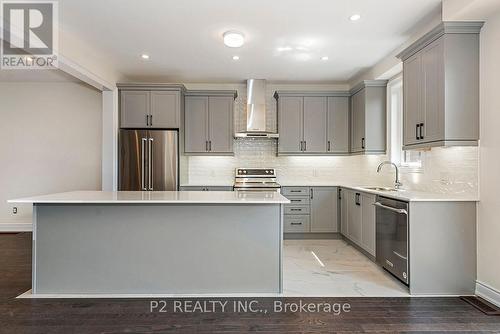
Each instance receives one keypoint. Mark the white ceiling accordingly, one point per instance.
(184, 37)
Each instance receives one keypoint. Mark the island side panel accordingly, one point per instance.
(158, 248)
(442, 248)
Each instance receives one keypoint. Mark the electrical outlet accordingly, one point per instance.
(14, 210)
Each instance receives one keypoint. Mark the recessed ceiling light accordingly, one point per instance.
(145, 56)
(324, 58)
(233, 39)
(354, 17)
(285, 48)
(236, 58)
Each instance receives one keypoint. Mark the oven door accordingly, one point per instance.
(392, 236)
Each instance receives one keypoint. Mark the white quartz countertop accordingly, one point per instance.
(180, 197)
(403, 194)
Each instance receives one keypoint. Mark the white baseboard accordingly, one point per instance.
(488, 293)
(16, 227)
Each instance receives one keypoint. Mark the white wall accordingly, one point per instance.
(489, 171)
(50, 141)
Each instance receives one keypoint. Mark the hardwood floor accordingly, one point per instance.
(134, 316)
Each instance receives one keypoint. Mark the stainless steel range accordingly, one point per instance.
(256, 179)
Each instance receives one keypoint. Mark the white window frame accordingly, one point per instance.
(395, 127)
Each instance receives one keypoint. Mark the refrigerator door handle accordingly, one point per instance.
(143, 160)
(150, 160)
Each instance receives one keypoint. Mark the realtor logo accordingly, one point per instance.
(29, 34)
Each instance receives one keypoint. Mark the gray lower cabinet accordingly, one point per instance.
(441, 87)
(150, 108)
(324, 209)
(206, 188)
(368, 225)
(312, 210)
(358, 218)
(209, 125)
(313, 123)
(368, 117)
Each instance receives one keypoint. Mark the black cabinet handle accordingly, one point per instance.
(305, 146)
(417, 136)
(421, 130)
(295, 223)
(340, 193)
(150, 120)
(329, 146)
(312, 191)
(363, 143)
(357, 199)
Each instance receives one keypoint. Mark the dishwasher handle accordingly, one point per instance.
(400, 211)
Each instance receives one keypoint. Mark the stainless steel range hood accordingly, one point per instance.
(255, 126)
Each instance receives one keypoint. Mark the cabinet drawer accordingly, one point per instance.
(296, 224)
(295, 191)
(296, 210)
(298, 201)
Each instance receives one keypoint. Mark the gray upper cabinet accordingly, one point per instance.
(315, 123)
(134, 109)
(368, 117)
(157, 107)
(196, 124)
(290, 124)
(441, 87)
(338, 125)
(165, 109)
(209, 123)
(324, 209)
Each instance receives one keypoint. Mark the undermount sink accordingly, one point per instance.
(381, 188)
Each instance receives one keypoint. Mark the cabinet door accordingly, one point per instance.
(368, 230)
(134, 108)
(324, 209)
(220, 119)
(433, 92)
(315, 124)
(290, 124)
(196, 124)
(165, 109)
(412, 68)
(344, 211)
(338, 125)
(354, 217)
(358, 121)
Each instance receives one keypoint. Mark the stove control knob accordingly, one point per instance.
(267, 172)
(244, 172)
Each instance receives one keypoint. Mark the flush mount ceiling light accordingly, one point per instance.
(233, 39)
(144, 56)
(324, 58)
(236, 58)
(354, 17)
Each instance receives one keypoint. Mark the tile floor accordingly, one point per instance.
(338, 271)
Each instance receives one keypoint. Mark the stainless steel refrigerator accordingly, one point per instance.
(148, 160)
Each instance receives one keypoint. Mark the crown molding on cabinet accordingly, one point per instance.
(302, 93)
(451, 27)
(233, 93)
(151, 86)
(367, 83)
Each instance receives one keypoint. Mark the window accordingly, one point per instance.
(410, 160)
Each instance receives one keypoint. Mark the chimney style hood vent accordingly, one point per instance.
(256, 111)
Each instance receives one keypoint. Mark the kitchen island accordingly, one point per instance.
(157, 243)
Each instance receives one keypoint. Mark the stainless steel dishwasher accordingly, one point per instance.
(392, 226)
